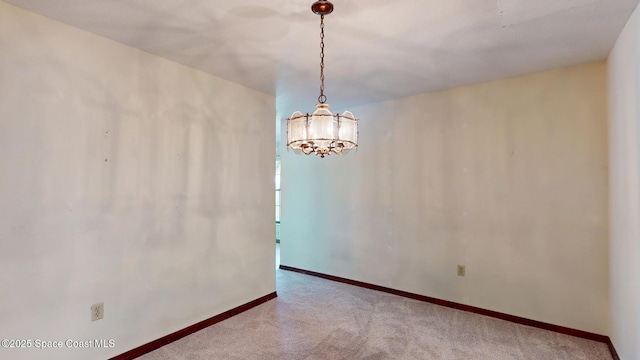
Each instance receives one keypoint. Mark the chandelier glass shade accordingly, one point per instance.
(322, 132)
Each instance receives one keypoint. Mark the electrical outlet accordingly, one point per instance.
(461, 270)
(97, 311)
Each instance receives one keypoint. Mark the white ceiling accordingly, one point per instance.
(375, 49)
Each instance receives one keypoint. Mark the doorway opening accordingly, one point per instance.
(277, 185)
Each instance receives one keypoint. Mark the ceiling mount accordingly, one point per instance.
(322, 7)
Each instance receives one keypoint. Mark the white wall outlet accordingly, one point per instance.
(461, 270)
(97, 311)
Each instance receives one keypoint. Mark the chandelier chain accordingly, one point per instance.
(322, 98)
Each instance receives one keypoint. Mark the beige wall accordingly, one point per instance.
(128, 179)
(624, 189)
(507, 177)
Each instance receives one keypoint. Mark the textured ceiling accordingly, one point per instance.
(375, 49)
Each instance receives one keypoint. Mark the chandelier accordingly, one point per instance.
(322, 133)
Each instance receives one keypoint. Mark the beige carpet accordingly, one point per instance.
(314, 318)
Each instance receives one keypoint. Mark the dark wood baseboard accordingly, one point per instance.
(473, 309)
(156, 344)
(612, 349)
